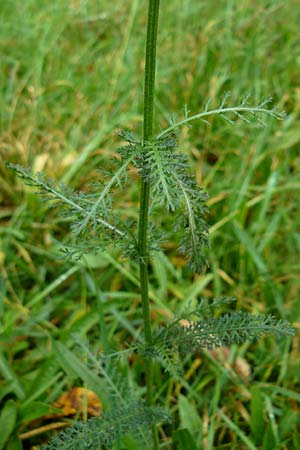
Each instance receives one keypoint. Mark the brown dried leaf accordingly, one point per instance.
(77, 400)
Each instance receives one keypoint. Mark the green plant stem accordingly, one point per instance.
(153, 11)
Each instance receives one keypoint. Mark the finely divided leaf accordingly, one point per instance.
(100, 432)
(233, 328)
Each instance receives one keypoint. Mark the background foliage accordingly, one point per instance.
(70, 77)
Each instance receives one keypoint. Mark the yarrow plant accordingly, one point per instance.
(165, 183)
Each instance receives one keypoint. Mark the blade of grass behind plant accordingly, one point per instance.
(11, 377)
(232, 426)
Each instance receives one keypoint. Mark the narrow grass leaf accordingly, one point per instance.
(272, 418)
(189, 417)
(77, 369)
(130, 443)
(246, 240)
(184, 439)
(8, 420)
(257, 415)
(268, 192)
(277, 390)
(269, 442)
(34, 410)
(14, 443)
(196, 289)
(46, 376)
(269, 232)
(10, 376)
(232, 426)
(52, 286)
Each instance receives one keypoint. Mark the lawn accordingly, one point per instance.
(71, 75)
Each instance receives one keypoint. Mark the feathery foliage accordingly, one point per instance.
(92, 226)
(231, 328)
(74, 204)
(176, 189)
(173, 187)
(231, 114)
(185, 335)
(166, 182)
(98, 433)
(95, 225)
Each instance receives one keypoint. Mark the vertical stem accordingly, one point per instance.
(153, 10)
(150, 67)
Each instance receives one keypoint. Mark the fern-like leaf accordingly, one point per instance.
(93, 231)
(173, 186)
(76, 203)
(233, 328)
(241, 111)
(99, 433)
(103, 202)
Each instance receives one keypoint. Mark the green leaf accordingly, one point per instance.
(257, 423)
(8, 420)
(231, 114)
(100, 432)
(250, 246)
(233, 328)
(77, 204)
(45, 377)
(77, 369)
(130, 443)
(10, 376)
(269, 442)
(14, 443)
(184, 438)
(34, 410)
(175, 188)
(236, 429)
(288, 423)
(189, 417)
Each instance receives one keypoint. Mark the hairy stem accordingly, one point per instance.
(153, 10)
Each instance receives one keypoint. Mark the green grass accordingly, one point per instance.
(70, 75)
